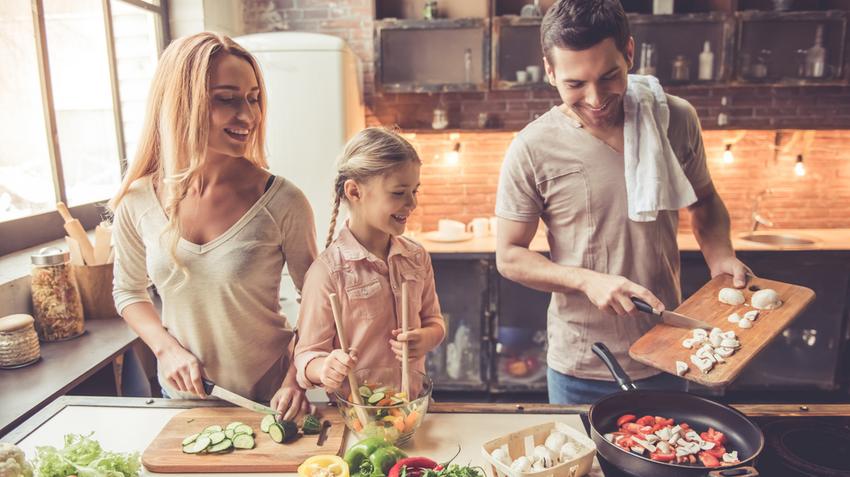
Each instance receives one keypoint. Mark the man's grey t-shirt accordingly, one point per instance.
(557, 171)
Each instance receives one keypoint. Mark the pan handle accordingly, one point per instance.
(736, 472)
(607, 357)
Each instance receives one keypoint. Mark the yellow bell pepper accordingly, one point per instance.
(323, 466)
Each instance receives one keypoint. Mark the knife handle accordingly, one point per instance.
(644, 306)
(208, 386)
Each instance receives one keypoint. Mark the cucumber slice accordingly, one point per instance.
(267, 421)
(243, 441)
(190, 439)
(376, 397)
(233, 425)
(276, 432)
(228, 433)
(200, 445)
(222, 446)
(188, 449)
(217, 437)
(365, 391)
(212, 429)
(382, 389)
(243, 429)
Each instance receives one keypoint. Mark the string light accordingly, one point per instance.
(453, 156)
(799, 167)
(728, 157)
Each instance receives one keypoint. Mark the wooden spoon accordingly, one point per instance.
(343, 343)
(405, 350)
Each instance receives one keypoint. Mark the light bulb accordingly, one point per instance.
(452, 158)
(728, 157)
(799, 167)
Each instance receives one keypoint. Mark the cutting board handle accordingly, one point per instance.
(607, 357)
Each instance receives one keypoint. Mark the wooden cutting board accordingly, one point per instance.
(165, 453)
(662, 346)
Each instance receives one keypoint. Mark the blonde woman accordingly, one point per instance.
(378, 178)
(200, 217)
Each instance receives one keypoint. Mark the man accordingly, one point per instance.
(567, 167)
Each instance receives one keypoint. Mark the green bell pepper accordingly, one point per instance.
(372, 457)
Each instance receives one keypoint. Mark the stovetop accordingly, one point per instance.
(810, 446)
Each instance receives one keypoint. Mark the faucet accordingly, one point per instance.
(759, 219)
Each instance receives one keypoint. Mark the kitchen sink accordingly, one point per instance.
(778, 239)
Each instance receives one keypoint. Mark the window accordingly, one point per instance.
(73, 106)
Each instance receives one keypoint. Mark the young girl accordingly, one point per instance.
(199, 215)
(377, 177)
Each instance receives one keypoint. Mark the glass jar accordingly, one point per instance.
(57, 308)
(681, 70)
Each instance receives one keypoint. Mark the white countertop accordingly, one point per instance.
(127, 429)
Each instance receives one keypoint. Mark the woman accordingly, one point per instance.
(199, 215)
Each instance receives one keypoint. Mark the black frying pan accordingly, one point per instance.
(700, 413)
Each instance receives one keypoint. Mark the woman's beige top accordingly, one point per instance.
(227, 310)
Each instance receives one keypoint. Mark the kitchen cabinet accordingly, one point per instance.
(507, 321)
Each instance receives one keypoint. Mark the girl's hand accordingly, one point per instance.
(419, 342)
(290, 399)
(336, 367)
(182, 370)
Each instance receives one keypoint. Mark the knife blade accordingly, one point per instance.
(671, 317)
(213, 389)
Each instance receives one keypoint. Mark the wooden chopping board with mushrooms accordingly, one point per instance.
(745, 321)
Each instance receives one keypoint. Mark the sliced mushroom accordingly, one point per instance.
(745, 324)
(730, 343)
(681, 368)
(688, 343)
(766, 299)
(751, 315)
(730, 296)
(700, 334)
(724, 352)
(734, 318)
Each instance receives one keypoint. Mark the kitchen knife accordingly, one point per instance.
(671, 317)
(214, 390)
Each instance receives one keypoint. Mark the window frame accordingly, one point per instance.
(32, 230)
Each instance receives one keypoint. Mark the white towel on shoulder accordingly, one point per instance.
(654, 177)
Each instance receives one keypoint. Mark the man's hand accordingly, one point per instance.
(731, 266)
(613, 294)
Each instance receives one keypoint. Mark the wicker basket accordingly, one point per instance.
(522, 443)
(18, 341)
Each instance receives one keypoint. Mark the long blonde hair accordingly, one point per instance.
(173, 143)
(371, 152)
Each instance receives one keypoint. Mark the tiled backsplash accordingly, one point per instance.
(820, 199)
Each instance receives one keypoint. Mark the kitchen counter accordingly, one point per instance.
(63, 365)
(142, 419)
(825, 239)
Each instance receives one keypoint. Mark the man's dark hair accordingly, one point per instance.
(580, 24)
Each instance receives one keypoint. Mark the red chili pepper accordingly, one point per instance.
(646, 421)
(708, 460)
(625, 418)
(633, 428)
(717, 451)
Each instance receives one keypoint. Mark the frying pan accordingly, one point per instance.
(700, 413)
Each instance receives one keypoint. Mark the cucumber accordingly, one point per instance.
(267, 421)
(365, 391)
(376, 397)
(311, 424)
(190, 439)
(243, 441)
(200, 445)
(243, 429)
(212, 429)
(217, 437)
(222, 446)
(233, 425)
(228, 433)
(276, 432)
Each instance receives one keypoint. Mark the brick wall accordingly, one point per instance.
(819, 199)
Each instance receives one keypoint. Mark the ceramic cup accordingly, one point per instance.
(522, 76)
(480, 227)
(450, 229)
(534, 73)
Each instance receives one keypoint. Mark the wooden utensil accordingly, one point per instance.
(76, 252)
(165, 454)
(662, 346)
(102, 243)
(405, 348)
(343, 344)
(77, 232)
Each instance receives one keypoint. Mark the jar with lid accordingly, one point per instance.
(57, 308)
(18, 341)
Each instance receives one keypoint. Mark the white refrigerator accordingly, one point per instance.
(315, 104)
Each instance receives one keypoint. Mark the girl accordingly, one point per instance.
(377, 177)
(199, 215)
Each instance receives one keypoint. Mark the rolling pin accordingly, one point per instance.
(76, 231)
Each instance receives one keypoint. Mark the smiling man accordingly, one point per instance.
(569, 169)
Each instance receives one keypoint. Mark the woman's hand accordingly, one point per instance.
(291, 399)
(182, 370)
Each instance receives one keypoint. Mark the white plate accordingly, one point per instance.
(435, 236)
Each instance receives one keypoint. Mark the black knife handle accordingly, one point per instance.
(643, 306)
(208, 386)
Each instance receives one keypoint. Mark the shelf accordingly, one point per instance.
(516, 48)
(432, 56)
(446, 9)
